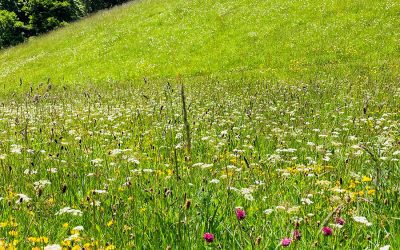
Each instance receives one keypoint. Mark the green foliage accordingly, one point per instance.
(94, 5)
(40, 16)
(10, 29)
(45, 15)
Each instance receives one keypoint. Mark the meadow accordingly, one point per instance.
(158, 39)
(270, 165)
(177, 124)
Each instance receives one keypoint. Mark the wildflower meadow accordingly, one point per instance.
(220, 164)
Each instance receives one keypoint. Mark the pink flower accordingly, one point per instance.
(340, 221)
(327, 231)
(286, 242)
(209, 237)
(296, 235)
(240, 214)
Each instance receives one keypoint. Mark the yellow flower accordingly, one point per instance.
(361, 193)
(170, 172)
(110, 247)
(32, 239)
(76, 247)
(13, 233)
(50, 202)
(371, 192)
(366, 179)
(66, 243)
(3, 224)
(88, 245)
(35, 248)
(110, 223)
(65, 225)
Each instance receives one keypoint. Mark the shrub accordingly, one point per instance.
(95, 5)
(45, 15)
(11, 29)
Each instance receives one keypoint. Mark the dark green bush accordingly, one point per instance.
(45, 15)
(11, 29)
(20, 19)
(95, 5)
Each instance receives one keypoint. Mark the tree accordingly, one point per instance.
(11, 29)
(45, 15)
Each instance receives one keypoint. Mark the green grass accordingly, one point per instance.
(281, 40)
(334, 144)
(288, 103)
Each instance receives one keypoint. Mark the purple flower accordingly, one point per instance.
(209, 237)
(340, 221)
(327, 231)
(286, 242)
(240, 214)
(296, 235)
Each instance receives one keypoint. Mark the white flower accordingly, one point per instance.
(31, 172)
(268, 211)
(41, 184)
(72, 237)
(99, 191)
(22, 198)
(215, 181)
(280, 208)
(133, 160)
(77, 228)
(53, 247)
(294, 209)
(362, 220)
(385, 247)
(16, 149)
(68, 210)
(96, 161)
(52, 170)
(205, 166)
(306, 201)
(249, 197)
(336, 225)
(115, 152)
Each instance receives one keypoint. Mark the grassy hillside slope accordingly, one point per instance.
(284, 40)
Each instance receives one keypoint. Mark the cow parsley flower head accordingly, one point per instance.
(362, 220)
